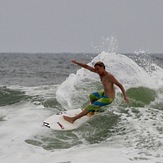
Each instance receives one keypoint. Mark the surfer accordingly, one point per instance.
(101, 98)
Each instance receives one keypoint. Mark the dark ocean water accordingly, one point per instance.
(36, 69)
(35, 86)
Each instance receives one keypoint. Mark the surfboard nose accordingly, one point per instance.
(46, 124)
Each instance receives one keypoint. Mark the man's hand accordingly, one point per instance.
(74, 61)
(84, 66)
(126, 99)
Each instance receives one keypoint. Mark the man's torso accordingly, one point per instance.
(108, 85)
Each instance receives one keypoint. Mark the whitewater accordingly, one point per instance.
(36, 86)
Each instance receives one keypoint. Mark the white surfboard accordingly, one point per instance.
(57, 121)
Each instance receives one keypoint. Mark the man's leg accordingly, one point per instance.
(72, 119)
(94, 97)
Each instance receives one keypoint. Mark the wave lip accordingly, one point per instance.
(80, 85)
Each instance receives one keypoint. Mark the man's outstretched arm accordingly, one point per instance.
(84, 66)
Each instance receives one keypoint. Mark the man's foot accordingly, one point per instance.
(69, 119)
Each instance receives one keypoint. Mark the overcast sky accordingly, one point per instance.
(73, 25)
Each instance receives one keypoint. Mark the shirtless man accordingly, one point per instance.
(101, 98)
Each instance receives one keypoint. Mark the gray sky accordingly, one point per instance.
(73, 25)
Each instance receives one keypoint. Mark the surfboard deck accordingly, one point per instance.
(57, 121)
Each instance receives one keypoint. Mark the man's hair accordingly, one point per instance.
(101, 64)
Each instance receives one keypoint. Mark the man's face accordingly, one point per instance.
(99, 69)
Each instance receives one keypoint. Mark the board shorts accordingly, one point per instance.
(98, 100)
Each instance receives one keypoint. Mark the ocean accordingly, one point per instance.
(38, 85)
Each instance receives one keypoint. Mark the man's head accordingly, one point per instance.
(101, 64)
(100, 67)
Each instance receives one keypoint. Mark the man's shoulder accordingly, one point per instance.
(109, 74)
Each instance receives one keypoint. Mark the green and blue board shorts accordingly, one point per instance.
(98, 99)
